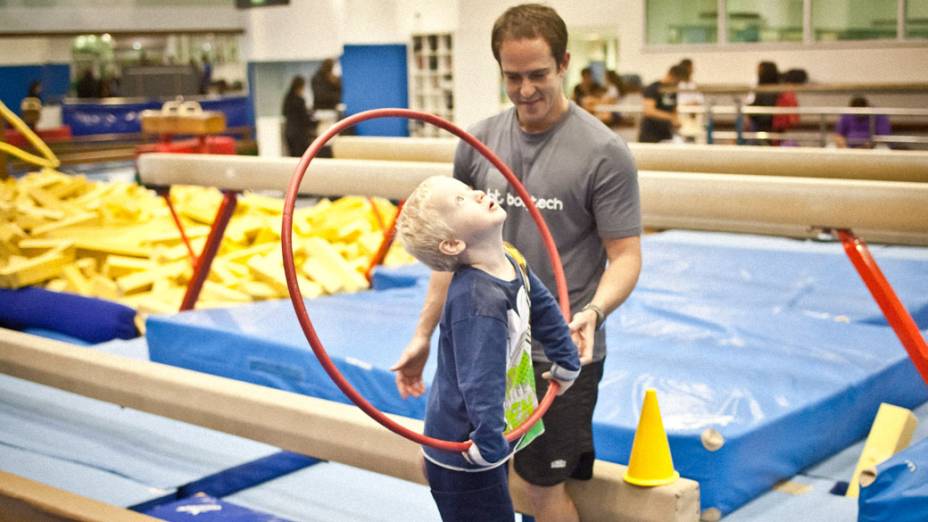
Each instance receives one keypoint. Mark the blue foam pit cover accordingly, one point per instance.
(775, 344)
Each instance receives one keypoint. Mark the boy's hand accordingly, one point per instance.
(473, 456)
(564, 384)
(583, 333)
(409, 368)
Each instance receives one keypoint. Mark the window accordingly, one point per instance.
(763, 21)
(916, 19)
(803, 22)
(681, 21)
(835, 20)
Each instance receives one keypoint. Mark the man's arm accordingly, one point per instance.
(412, 361)
(650, 110)
(614, 287)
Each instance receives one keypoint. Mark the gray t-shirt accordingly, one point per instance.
(584, 182)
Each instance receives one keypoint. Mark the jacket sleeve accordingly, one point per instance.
(480, 345)
(550, 329)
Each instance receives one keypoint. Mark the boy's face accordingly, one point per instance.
(469, 213)
(534, 82)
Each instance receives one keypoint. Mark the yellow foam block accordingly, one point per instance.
(88, 266)
(242, 229)
(92, 196)
(260, 202)
(11, 235)
(69, 186)
(891, 432)
(84, 218)
(271, 271)
(104, 246)
(57, 285)
(319, 272)
(245, 254)
(48, 200)
(320, 251)
(219, 272)
(32, 247)
(221, 293)
(169, 235)
(267, 234)
(39, 213)
(117, 266)
(77, 283)
(136, 281)
(259, 290)
(37, 269)
(104, 287)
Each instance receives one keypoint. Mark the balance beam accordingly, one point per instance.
(807, 162)
(24, 499)
(322, 429)
(878, 211)
(326, 177)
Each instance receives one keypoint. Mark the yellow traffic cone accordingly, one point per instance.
(650, 463)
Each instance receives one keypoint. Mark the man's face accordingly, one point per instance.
(534, 82)
(471, 214)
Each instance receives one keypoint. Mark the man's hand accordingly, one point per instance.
(409, 368)
(583, 332)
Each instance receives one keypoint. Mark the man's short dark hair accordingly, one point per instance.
(528, 21)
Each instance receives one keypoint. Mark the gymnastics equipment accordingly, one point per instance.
(296, 296)
(24, 499)
(48, 159)
(878, 211)
(890, 433)
(807, 162)
(299, 423)
(650, 463)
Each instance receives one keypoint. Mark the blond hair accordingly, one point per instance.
(421, 229)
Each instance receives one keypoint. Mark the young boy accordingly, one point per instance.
(484, 384)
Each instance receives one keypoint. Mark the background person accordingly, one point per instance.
(767, 74)
(659, 115)
(857, 130)
(588, 182)
(298, 124)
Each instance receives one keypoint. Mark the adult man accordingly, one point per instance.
(584, 181)
(659, 117)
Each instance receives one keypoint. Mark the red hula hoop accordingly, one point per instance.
(296, 296)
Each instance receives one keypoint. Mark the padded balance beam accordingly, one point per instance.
(806, 162)
(877, 211)
(322, 429)
(24, 499)
(325, 177)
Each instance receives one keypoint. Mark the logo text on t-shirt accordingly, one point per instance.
(513, 200)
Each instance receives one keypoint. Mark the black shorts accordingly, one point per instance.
(565, 450)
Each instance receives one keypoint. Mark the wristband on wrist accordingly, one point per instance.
(600, 316)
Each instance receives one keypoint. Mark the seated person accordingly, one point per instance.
(857, 130)
(484, 383)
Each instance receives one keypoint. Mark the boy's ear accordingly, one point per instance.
(451, 247)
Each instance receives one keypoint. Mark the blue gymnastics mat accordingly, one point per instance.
(106, 452)
(773, 343)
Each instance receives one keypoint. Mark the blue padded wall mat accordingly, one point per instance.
(774, 343)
